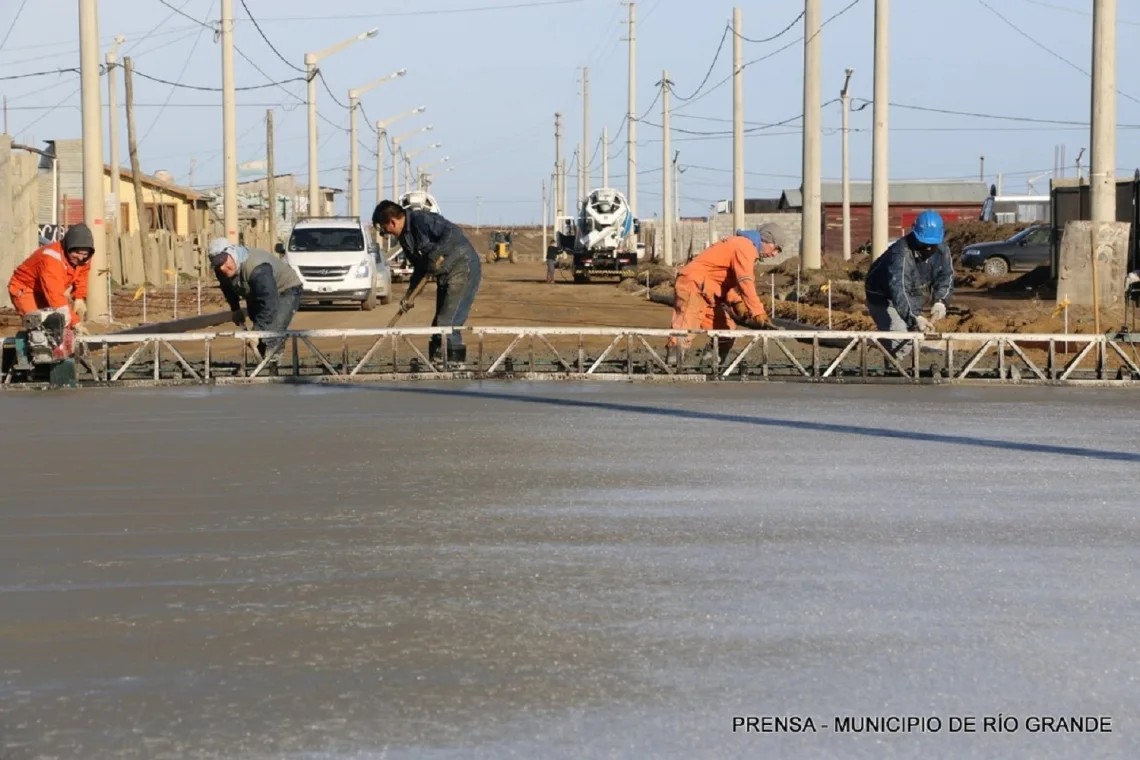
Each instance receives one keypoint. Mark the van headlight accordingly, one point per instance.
(362, 269)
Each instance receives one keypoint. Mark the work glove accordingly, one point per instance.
(937, 312)
(922, 324)
(406, 305)
(81, 308)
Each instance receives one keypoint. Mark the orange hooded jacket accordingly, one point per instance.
(720, 268)
(41, 282)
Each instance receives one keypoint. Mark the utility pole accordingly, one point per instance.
(631, 115)
(93, 198)
(880, 178)
(677, 188)
(1102, 154)
(395, 170)
(982, 165)
(580, 180)
(544, 219)
(667, 190)
(380, 132)
(270, 178)
(353, 157)
(136, 172)
(605, 157)
(478, 208)
(114, 220)
(737, 121)
(845, 100)
(811, 233)
(559, 189)
(229, 123)
(585, 157)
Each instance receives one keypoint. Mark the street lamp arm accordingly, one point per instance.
(380, 125)
(313, 58)
(361, 90)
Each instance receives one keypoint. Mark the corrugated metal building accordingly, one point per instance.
(955, 200)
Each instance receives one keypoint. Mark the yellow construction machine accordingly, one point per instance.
(501, 247)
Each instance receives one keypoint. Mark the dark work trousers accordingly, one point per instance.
(455, 291)
(287, 305)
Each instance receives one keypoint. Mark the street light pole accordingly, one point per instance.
(354, 149)
(113, 128)
(93, 198)
(311, 61)
(396, 161)
(229, 125)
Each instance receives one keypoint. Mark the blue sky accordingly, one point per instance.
(493, 72)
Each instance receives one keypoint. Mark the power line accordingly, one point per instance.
(13, 24)
(1076, 11)
(973, 114)
(182, 73)
(437, 12)
(712, 65)
(1046, 48)
(765, 57)
(217, 89)
(775, 36)
(267, 42)
(29, 75)
(332, 95)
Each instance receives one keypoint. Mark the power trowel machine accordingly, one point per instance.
(43, 350)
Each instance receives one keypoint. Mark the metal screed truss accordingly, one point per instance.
(341, 356)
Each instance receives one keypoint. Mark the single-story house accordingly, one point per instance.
(955, 200)
(168, 206)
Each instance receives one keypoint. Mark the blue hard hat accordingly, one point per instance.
(752, 235)
(928, 228)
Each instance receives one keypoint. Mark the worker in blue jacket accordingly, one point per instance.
(898, 283)
(436, 246)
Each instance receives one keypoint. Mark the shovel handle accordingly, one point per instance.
(411, 296)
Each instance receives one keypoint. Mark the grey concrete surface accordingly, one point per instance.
(565, 570)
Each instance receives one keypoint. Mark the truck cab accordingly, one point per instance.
(335, 261)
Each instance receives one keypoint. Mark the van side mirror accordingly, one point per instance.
(280, 248)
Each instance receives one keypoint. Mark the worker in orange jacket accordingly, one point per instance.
(42, 281)
(717, 276)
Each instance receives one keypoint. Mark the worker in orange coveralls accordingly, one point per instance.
(718, 276)
(42, 281)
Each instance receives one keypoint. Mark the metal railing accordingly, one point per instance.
(632, 354)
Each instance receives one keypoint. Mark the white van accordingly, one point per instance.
(336, 261)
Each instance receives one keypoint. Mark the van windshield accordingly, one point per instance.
(328, 240)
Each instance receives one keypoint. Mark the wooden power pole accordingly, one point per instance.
(133, 149)
(270, 182)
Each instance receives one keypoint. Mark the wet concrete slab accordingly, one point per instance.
(566, 570)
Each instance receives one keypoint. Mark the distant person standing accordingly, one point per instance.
(898, 283)
(435, 245)
(551, 263)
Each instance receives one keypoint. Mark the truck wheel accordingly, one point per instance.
(368, 304)
(385, 300)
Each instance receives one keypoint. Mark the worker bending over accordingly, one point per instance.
(705, 286)
(44, 278)
(436, 246)
(898, 282)
(270, 287)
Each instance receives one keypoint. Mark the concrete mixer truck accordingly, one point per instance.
(602, 239)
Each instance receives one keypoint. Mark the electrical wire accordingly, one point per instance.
(182, 73)
(12, 26)
(217, 89)
(276, 52)
(716, 57)
(321, 76)
(1046, 48)
(775, 36)
(765, 57)
(434, 12)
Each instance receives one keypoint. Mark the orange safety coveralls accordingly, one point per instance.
(706, 282)
(41, 282)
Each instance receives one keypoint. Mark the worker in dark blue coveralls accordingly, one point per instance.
(899, 282)
(436, 246)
